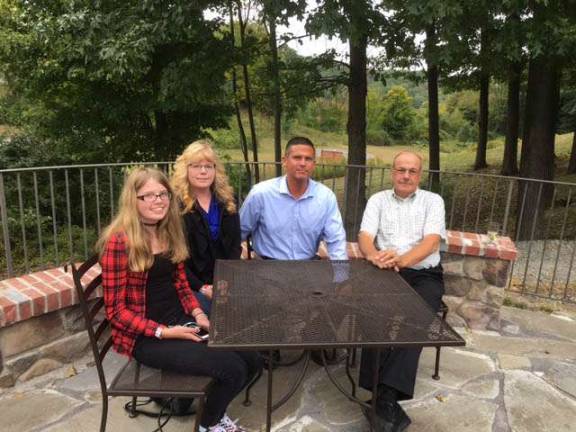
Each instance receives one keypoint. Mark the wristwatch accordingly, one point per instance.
(158, 332)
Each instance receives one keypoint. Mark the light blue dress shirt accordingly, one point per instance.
(283, 227)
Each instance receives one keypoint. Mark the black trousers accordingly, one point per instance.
(398, 366)
(231, 370)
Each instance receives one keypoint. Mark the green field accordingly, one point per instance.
(454, 156)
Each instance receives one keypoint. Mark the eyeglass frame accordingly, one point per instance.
(199, 167)
(155, 196)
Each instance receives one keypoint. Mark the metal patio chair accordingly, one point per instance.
(133, 379)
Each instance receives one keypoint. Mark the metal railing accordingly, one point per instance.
(49, 215)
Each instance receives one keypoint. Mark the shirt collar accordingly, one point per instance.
(283, 188)
(410, 197)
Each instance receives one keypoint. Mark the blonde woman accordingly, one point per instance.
(148, 299)
(209, 211)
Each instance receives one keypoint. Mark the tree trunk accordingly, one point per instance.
(484, 82)
(480, 162)
(572, 163)
(243, 141)
(538, 147)
(433, 114)
(248, 95)
(161, 136)
(277, 102)
(510, 161)
(356, 127)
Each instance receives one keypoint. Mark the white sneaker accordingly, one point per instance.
(216, 428)
(230, 425)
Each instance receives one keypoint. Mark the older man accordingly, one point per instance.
(401, 230)
(288, 216)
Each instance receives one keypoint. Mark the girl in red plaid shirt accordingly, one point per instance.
(148, 297)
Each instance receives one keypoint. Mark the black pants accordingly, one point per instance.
(232, 371)
(398, 366)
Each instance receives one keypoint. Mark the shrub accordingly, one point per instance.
(378, 137)
(225, 138)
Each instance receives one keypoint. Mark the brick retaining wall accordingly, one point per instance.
(41, 324)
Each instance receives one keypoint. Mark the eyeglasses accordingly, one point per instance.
(200, 167)
(411, 171)
(153, 197)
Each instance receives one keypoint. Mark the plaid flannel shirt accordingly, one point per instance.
(125, 295)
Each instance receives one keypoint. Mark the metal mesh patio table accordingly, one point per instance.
(319, 304)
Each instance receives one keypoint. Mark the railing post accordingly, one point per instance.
(507, 209)
(5, 232)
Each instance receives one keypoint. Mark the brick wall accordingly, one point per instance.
(41, 324)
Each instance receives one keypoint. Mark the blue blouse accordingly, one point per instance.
(212, 218)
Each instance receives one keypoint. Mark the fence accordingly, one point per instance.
(51, 214)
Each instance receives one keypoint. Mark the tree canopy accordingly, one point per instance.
(138, 80)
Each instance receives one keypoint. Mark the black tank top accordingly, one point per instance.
(162, 301)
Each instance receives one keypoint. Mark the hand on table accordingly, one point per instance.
(384, 259)
(207, 291)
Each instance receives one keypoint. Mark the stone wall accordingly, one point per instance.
(476, 274)
(41, 344)
(41, 326)
(474, 289)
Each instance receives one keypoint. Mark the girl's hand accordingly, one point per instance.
(181, 332)
(207, 291)
(203, 321)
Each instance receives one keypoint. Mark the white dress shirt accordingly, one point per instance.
(401, 223)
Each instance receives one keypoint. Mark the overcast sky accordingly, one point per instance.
(311, 46)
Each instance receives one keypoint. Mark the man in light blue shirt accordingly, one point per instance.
(288, 216)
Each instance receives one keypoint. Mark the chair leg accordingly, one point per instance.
(104, 416)
(132, 413)
(247, 402)
(444, 311)
(436, 376)
(353, 361)
(199, 412)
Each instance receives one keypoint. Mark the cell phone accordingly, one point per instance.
(202, 334)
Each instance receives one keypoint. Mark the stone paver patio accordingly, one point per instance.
(521, 379)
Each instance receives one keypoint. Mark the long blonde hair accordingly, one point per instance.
(196, 152)
(170, 231)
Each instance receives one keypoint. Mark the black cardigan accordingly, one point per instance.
(203, 251)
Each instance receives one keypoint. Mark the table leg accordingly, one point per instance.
(295, 384)
(269, 398)
(350, 352)
(376, 373)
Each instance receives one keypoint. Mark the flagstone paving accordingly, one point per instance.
(521, 379)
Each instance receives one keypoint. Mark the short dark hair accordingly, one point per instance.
(298, 140)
